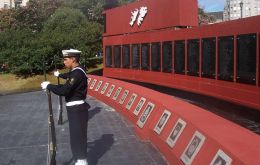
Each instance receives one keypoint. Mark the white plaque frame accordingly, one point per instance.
(98, 85)
(145, 115)
(110, 90)
(193, 148)
(89, 79)
(162, 121)
(139, 106)
(93, 84)
(131, 101)
(117, 93)
(176, 132)
(121, 101)
(222, 158)
(104, 88)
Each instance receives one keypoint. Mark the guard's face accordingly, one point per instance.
(68, 62)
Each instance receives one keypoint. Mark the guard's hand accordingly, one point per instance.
(44, 85)
(56, 73)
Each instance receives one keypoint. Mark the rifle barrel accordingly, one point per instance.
(60, 108)
(52, 146)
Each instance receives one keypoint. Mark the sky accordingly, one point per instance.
(212, 5)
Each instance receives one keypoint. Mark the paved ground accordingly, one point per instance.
(24, 132)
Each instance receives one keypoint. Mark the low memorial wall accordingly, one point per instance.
(183, 133)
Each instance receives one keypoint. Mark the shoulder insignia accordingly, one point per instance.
(71, 81)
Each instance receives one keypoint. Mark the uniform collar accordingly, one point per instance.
(78, 67)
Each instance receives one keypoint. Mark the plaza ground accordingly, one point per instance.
(24, 134)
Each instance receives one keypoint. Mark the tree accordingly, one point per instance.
(32, 16)
(18, 51)
(35, 13)
(203, 17)
(93, 8)
(35, 34)
(69, 28)
(7, 19)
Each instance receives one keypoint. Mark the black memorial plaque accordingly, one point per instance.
(179, 57)
(135, 56)
(208, 57)
(108, 56)
(117, 56)
(193, 57)
(246, 59)
(167, 56)
(145, 57)
(156, 56)
(126, 56)
(226, 58)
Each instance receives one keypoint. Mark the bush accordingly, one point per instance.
(26, 52)
(92, 62)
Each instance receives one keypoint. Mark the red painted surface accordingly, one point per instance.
(234, 92)
(160, 14)
(247, 95)
(241, 145)
(258, 60)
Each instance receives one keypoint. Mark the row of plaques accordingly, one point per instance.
(195, 143)
(214, 51)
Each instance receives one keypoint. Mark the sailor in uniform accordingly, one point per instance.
(75, 91)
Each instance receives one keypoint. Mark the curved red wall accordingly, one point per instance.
(239, 93)
(215, 139)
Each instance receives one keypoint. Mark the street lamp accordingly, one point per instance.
(241, 8)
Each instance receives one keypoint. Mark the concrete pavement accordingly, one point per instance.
(24, 134)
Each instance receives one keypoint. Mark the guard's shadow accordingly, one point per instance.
(69, 162)
(93, 112)
(98, 148)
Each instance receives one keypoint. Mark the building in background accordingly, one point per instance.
(217, 16)
(8, 4)
(235, 9)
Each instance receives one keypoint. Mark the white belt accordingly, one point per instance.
(72, 103)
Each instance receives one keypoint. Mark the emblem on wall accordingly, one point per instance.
(138, 14)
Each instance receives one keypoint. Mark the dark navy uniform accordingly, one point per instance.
(75, 91)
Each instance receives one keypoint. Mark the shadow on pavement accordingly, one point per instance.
(70, 162)
(93, 112)
(99, 147)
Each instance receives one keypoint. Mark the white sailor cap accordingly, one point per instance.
(70, 53)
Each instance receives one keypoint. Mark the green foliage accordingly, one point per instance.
(32, 37)
(93, 8)
(22, 51)
(203, 17)
(65, 19)
(7, 19)
(92, 62)
(31, 16)
(68, 28)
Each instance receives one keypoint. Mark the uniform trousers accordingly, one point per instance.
(78, 124)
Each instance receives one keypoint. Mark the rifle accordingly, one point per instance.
(52, 146)
(60, 108)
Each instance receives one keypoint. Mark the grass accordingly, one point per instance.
(9, 83)
(99, 66)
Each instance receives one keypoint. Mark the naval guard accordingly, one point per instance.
(75, 91)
